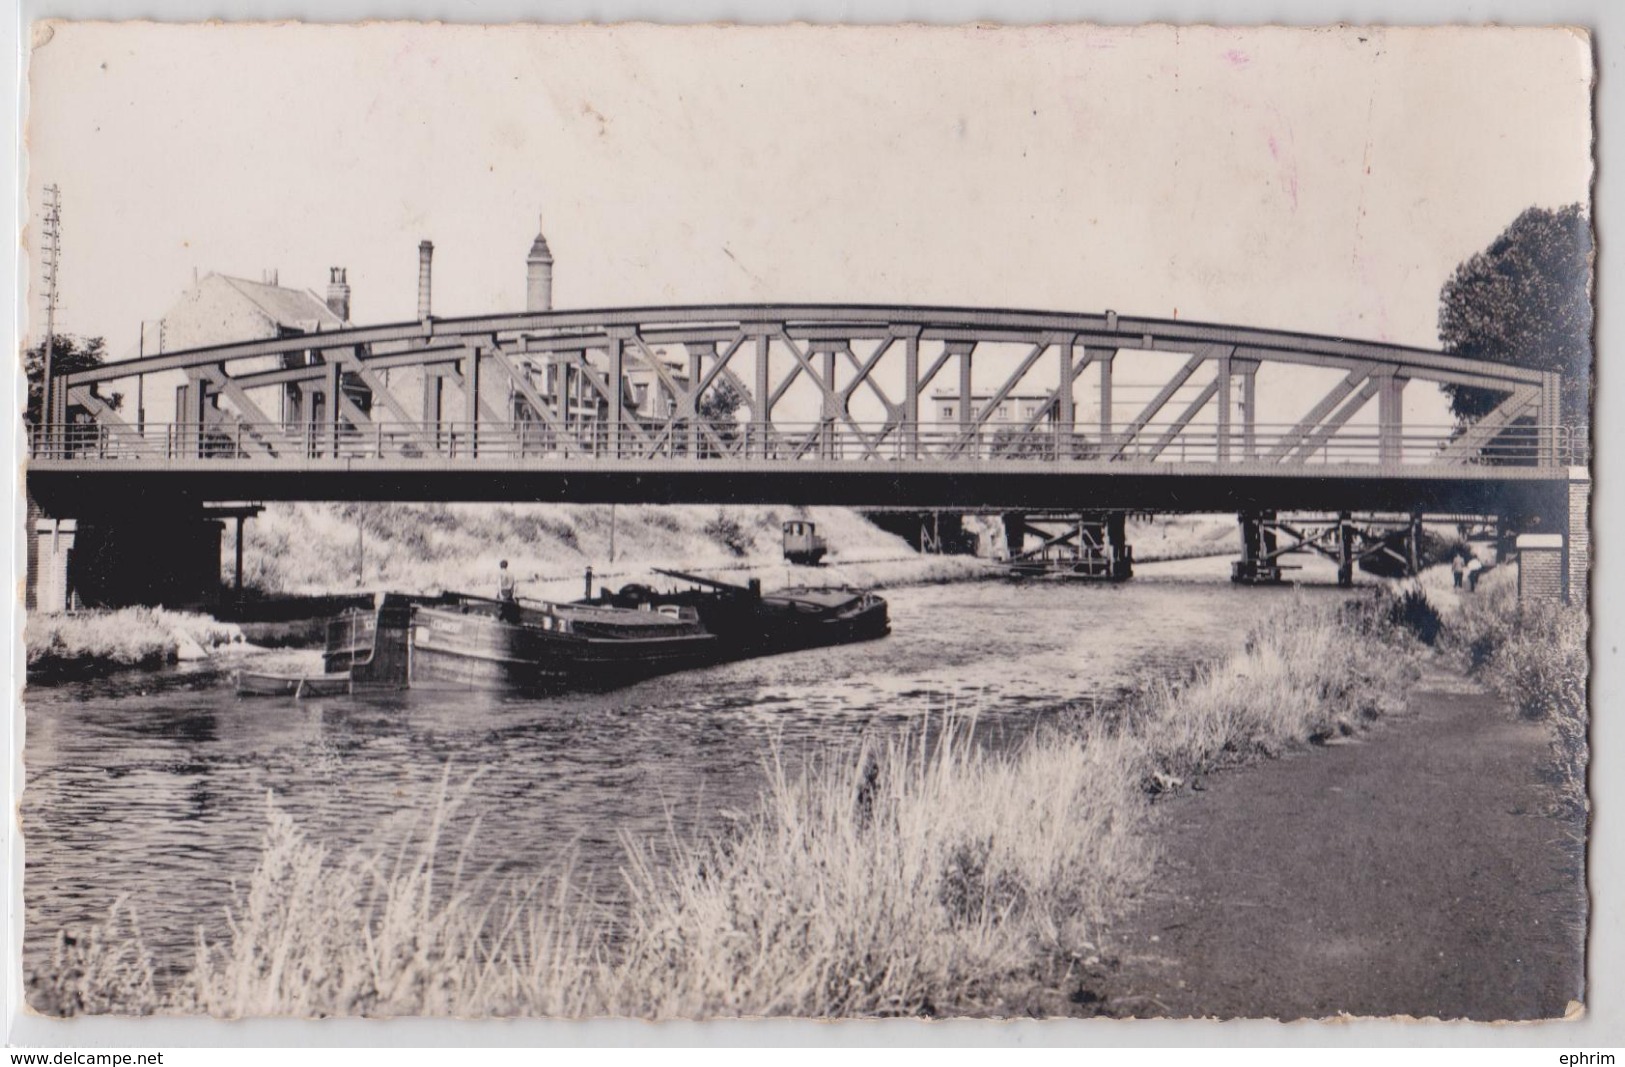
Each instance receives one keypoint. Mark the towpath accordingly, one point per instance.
(1409, 871)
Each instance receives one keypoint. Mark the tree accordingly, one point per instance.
(718, 408)
(70, 355)
(1525, 300)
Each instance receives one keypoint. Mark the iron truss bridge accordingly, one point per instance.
(861, 405)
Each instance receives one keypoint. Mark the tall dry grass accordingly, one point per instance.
(1535, 654)
(392, 933)
(927, 875)
(1305, 674)
(127, 637)
(329, 548)
(921, 873)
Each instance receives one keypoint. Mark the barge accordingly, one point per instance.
(459, 641)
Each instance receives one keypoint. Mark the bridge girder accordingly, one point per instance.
(623, 392)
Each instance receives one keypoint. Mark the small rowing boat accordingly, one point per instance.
(266, 684)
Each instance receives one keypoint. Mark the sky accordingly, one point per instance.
(1319, 180)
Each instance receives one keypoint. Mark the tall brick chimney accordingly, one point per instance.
(539, 274)
(425, 257)
(338, 292)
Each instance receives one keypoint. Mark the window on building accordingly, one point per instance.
(947, 412)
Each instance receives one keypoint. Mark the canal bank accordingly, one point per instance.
(1412, 870)
(894, 856)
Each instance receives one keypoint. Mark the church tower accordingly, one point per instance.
(539, 274)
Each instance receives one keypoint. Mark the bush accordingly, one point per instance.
(726, 531)
(1411, 610)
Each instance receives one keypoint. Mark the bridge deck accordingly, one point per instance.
(922, 483)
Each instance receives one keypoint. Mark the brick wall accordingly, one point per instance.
(1540, 567)
(1579, 534)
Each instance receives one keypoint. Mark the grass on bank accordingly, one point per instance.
(1535, 654)
(128, 637)
(920, 874)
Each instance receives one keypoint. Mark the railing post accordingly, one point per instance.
(1065, 415)
(1390, 417)
(759, 413)
(1248, 369)
(471, 387)
(1106, 431)
(911, 393)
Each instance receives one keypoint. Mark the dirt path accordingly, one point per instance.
(1406, 872)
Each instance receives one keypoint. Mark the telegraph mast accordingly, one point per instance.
(52, 260)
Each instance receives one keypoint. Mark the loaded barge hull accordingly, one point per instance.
(463, 642)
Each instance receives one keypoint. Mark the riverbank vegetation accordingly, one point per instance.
(1533, 653)
(922, 873)
(92, 641)
(313, 548)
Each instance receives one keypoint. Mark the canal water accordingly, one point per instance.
(154, 788)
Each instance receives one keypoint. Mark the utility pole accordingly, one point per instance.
(52, 260)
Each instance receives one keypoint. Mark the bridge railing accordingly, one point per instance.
(164, 444)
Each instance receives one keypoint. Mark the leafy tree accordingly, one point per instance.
(69, 355)
(718, 408)
(1525, 300)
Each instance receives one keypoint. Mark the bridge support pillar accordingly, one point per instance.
(1554, 559)
(1578, 564)
(106, 560)
(1015, 533)
(50, 544)
(1345, 550)
(1259, 564)
(1119, 551)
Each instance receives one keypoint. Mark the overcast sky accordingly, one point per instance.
(1326, 181)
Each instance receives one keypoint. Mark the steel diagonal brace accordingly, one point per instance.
(1050, 541)
(261, 430)
(1296, 437)
(894, 412)
(1184, 420)
(455, 377)
(1158, 402)
(949, 351)
(106, 416)
(1302, 541)
(1482, 432)
(1054, 397)
(999, 396)
(1329, 428)
(870, 447)
(522, 384)
(351, 361)
(717, 369)
(591, 377)
(683, 398)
